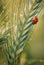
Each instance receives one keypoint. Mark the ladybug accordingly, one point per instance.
(35, 20)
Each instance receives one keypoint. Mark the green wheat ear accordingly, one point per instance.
(15, 48)
(23, 32)
(26, 27)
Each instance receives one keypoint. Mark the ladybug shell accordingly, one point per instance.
(35, 20)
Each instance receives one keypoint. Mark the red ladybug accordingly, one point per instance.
(35, 20)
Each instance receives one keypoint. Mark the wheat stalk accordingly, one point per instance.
(15, 48)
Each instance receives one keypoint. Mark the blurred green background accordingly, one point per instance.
(33, 53)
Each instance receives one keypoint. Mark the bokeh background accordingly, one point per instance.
(33, 53)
